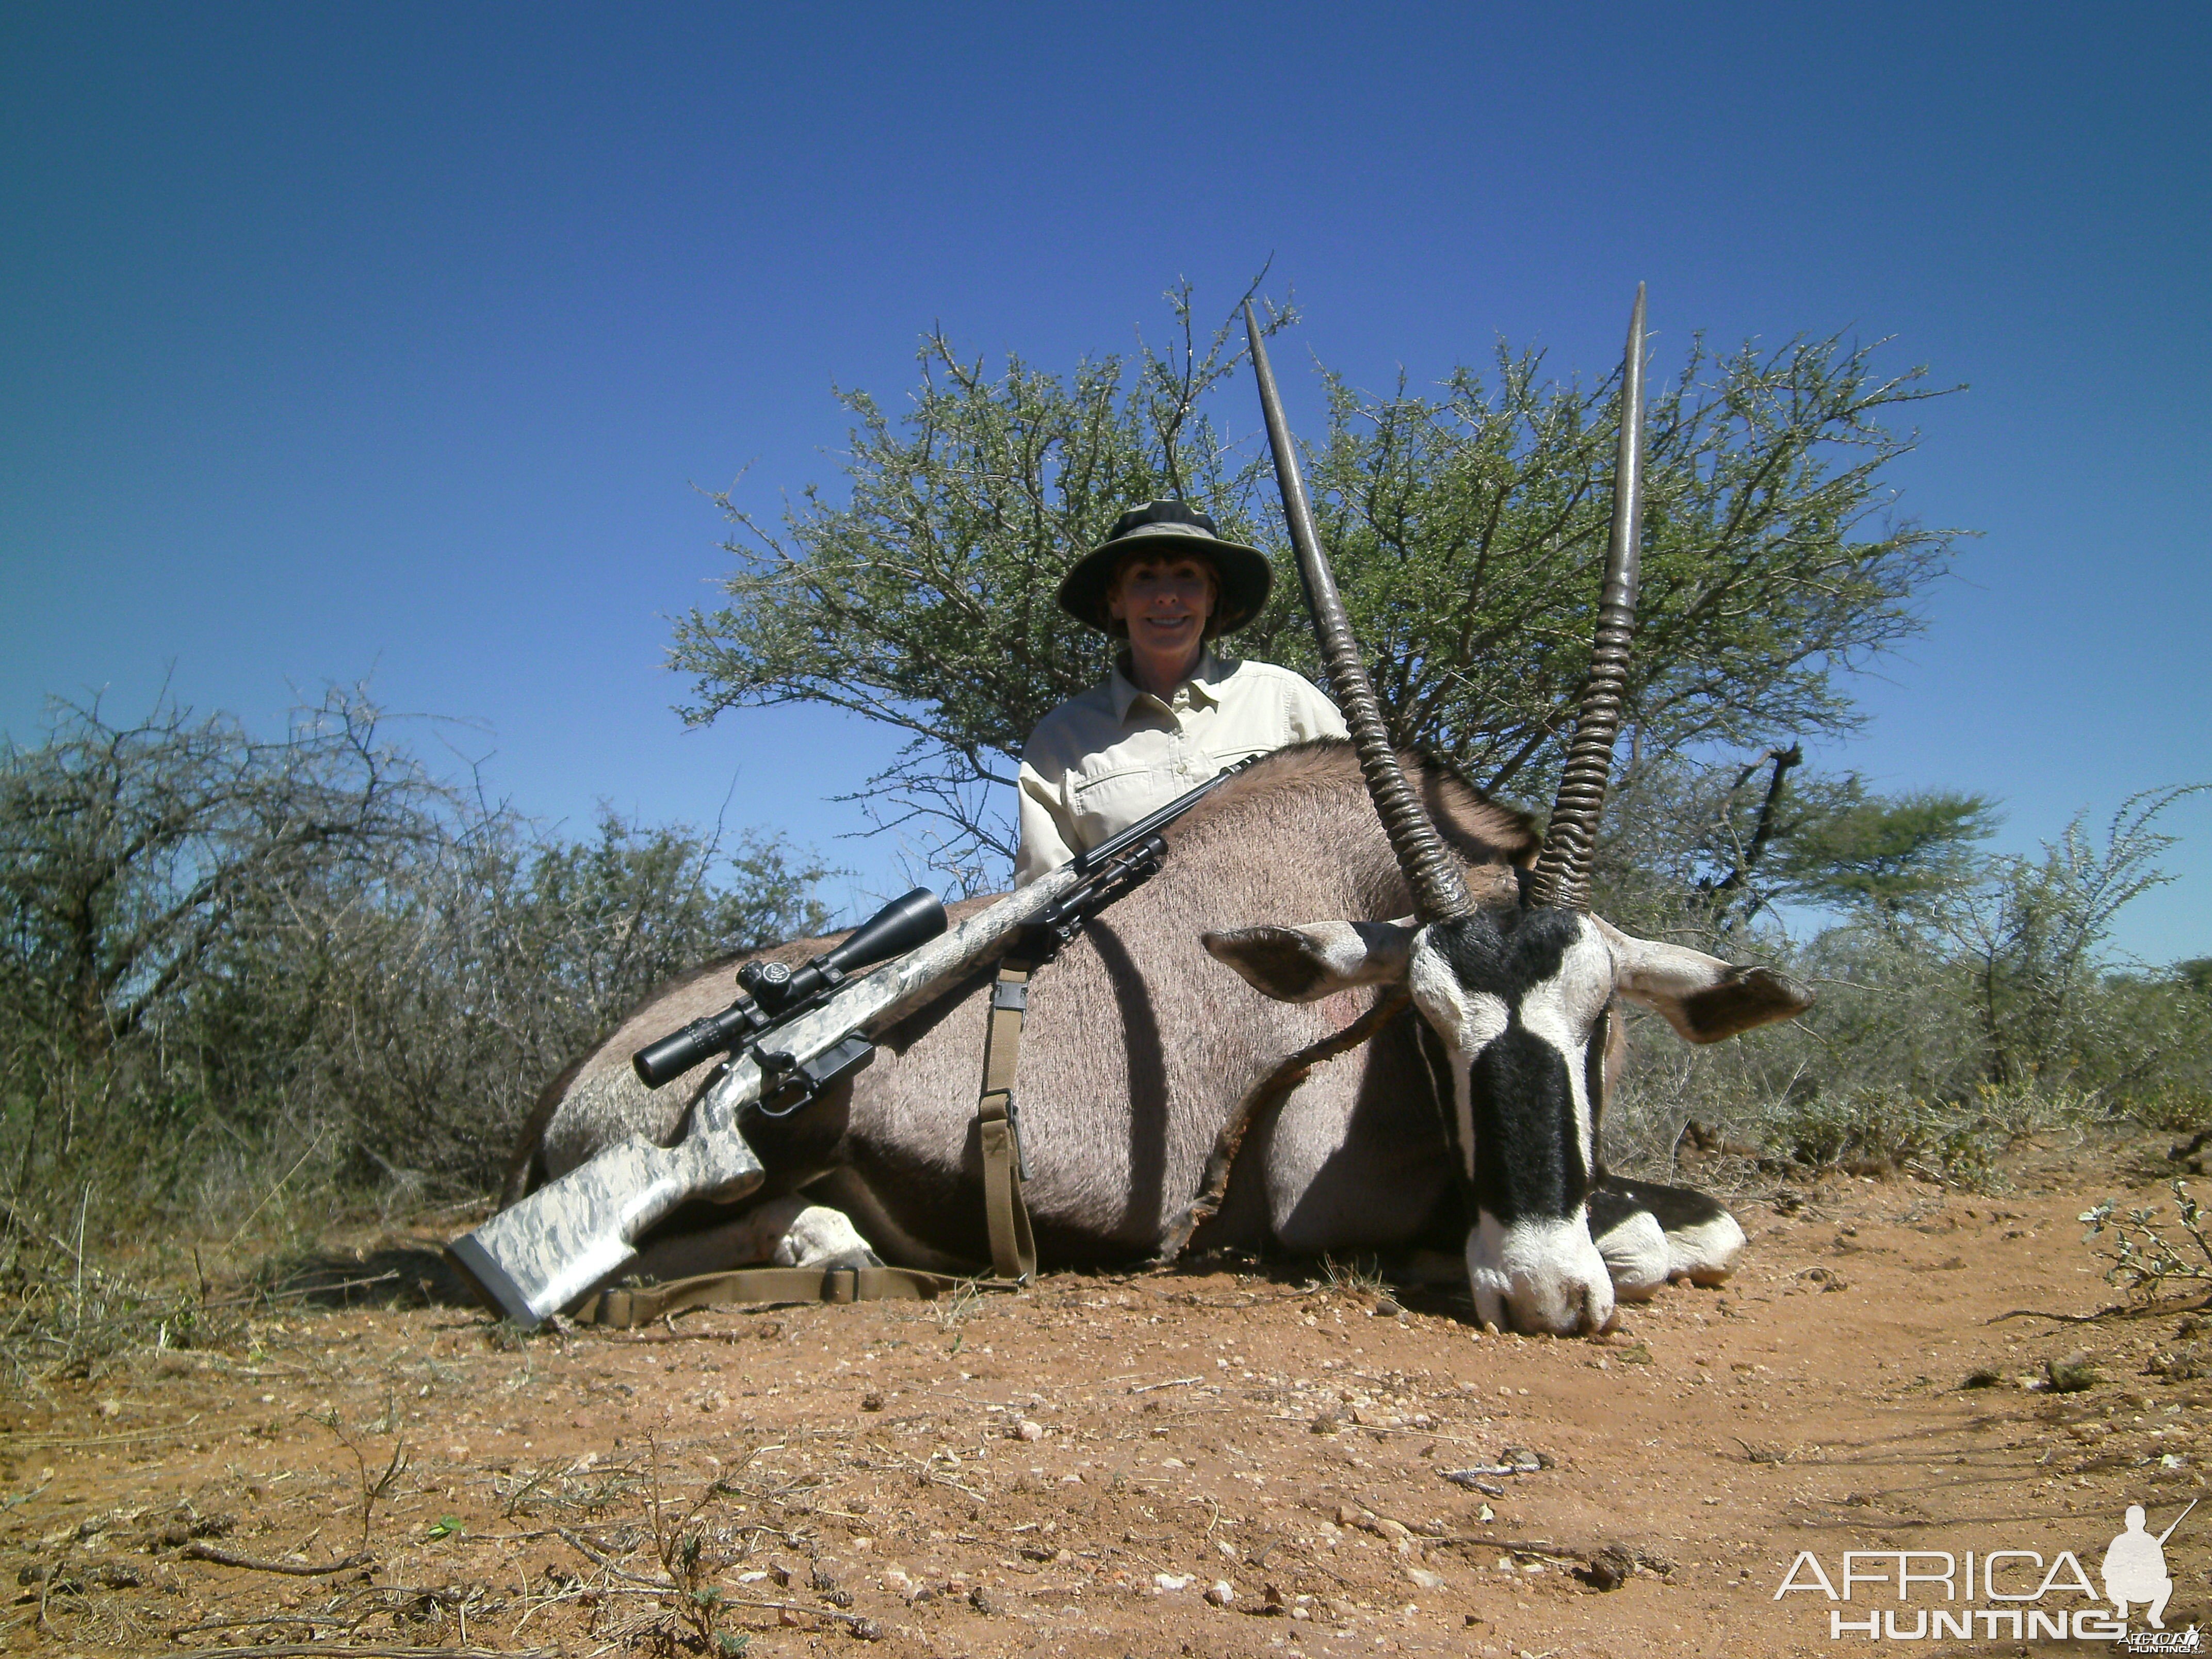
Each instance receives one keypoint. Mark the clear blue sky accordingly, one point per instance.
(390, 341)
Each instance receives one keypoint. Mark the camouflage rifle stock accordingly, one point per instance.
(573, 1234)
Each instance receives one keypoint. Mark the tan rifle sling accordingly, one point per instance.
(1013, 1250)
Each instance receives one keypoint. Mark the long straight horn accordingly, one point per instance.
(1562, 874)
(1430, 869)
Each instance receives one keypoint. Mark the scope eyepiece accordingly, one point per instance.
(679, 1052)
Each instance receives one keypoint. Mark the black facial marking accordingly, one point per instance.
(1527, 1152)
(1506, 951)
(1600, 1039)
(1527, 1144)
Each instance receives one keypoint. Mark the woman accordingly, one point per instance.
(1171, 714)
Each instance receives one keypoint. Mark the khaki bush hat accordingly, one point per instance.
(1170, 530)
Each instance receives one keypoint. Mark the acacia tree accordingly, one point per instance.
(925, 600)
(1465, 527)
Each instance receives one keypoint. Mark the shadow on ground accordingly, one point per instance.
(388, 1276)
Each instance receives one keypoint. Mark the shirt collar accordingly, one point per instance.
(1205, 684)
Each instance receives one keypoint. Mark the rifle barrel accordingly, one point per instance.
(1150, 825)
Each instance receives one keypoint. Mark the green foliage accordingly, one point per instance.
(1466, 529)
(2031, 937)
(1883, 857)
(925, 600)
(1963, 998)
(2143, 1254)
(1883, 1128)
(233, 972)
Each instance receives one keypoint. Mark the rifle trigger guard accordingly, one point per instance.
(805, 1081)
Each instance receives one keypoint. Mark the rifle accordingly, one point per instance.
(791, 1035)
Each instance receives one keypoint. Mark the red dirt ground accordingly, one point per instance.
(1071, 1470)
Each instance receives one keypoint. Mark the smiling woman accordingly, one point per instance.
(1172, 713)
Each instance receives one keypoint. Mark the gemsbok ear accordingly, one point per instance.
(1305, 965)
(1701, 997)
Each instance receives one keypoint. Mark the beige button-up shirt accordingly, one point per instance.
(1100, 762)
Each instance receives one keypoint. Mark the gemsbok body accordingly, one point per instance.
(1326, 876)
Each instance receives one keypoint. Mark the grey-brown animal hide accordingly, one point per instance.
(1138, 1044)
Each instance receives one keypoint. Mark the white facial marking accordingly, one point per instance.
(1540, 1276)
(1468, 1021)
(1562, 1010)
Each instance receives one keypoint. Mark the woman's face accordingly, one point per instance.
(1165, 601)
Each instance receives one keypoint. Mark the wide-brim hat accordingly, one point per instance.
(1170, 530)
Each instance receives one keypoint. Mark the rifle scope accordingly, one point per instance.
(773, 988)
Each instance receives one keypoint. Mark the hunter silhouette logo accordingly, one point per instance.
(2134, 1567)
(2009, 1593)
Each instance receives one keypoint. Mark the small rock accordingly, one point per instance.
(2184, 1365)
(2072, 1375)
(1425, 1578)
(1222, 1594)
(1026, 1430)
(1387, 1309)
(1175, 1581)
(1609, 1568)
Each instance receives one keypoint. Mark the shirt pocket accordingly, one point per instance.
(1105, 806)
